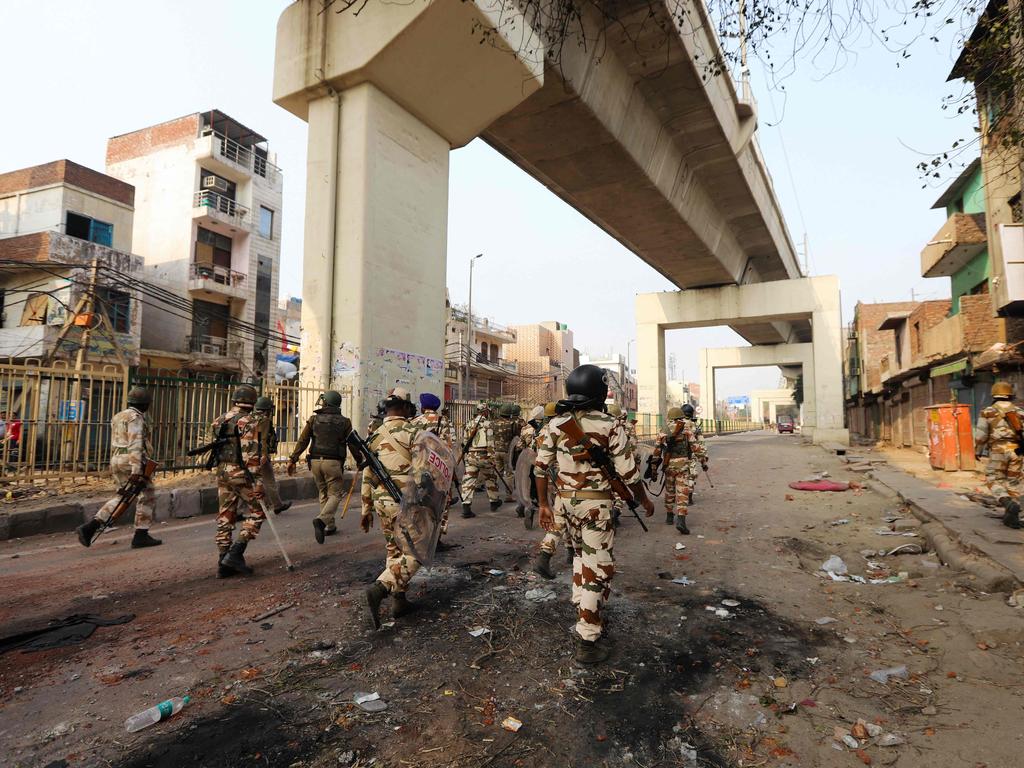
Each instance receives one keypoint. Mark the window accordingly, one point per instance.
(212, 249)
(266, 223)
(92, 230)
(117, 306)
(34, 310)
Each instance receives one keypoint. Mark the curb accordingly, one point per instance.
(171, 504)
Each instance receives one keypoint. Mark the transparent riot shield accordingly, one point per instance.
(425, 496)
(522, 476)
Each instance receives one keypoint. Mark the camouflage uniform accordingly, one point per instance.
(685, 450)
(236, 482)
(480, 460)
(695, 466)
(432, 421)
(558, 531)
(130, 449)
(585, 498)
(393, 444)
(506, 430)
(992, 430)
(268, 450)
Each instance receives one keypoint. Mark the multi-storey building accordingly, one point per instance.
(66, 267)
(545, 355)
(208, 224)
(489, 373)
(621, 384)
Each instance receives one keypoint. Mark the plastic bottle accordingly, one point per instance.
(161, 711)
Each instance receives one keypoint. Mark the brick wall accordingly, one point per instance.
(876, 344)
(68, 172)
(981, 327)
(34, 247)
(926, 315)
(144, 141)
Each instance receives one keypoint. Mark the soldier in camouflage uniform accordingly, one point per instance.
(130, 450)
(432, 421)
(677, 454)
(695, 466)
(999, 430)
(479, 460)
(392, 443)
(265, 410)
(506, 432)
(585, 496)
(325, 433)
(376, 419)
(239, 458)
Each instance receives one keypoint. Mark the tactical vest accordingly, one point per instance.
(330, 430)
(678, 448)
(230, 451)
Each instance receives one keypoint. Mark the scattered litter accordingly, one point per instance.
(476, 632)
(883, 675)
(369, 702)
(540, 595)
(906, 549)
(722, 613)
(873, 730)
(511, 724)
(824, 620)
(449, 692)
(272, 612)
(834, 566)
(61, 729)
(887, 532)
(859, 730)
(781, 682)
(1016, 600)
(700, 535)
(812, 660)
(822, 485)
(251, 673)
(929, 710)
(840, 521)
(684, 580)
(680, 545)
(729, 603)
(891, 740)
(155, 714)
(495, 572)
(59, 633)
(387, 625)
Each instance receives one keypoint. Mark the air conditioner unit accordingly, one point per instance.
(215, 183)
(209, 349)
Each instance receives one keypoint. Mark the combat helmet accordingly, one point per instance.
(688, 411)
(332, 398)
(244, 394)
(1002, 390)
(674, 413)
(550, 410)
(585, 387)
(140, 398)
(263, 403)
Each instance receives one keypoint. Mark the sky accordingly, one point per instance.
(841, 147)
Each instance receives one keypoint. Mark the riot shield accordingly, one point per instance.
(525, 490)
(425, 496)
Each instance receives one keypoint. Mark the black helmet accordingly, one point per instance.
(263, 403)
(332, 398)
(140, 397)
(244, 394)
(586, 387)
(688, 411)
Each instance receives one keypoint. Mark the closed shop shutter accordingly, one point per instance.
(919, 400)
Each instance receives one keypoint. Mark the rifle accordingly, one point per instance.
(1014, 420)
(469, 442)
(366, 457)
(654, 460)
(213, 447)
(599, 457)
(128, 493)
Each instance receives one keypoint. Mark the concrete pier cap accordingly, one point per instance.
(388, 91)
(813, 299)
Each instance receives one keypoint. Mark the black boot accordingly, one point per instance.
(531, 513)
(520, 510)
(444, 546)
(223, 572)
(495, 505)
(285, 506)
(142, 539)
(400, 606)
(681, 525)
(235, 559)
(542, 565)
(374, 597)
(466, 511)
(590, 652)
(319, 529)
(1012, 517)
(669, 518)
(86, 531)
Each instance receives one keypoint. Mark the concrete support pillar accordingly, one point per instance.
(650, 368)
(707, 386)
(823, 392)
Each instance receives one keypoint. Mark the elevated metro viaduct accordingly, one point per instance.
(655, 153)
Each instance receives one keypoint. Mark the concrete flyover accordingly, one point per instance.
(623, 126)
(811, 300)
(771, 400)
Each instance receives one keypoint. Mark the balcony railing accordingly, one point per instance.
(219, 275)
(225, 206)
(484, 324)
(243, 157)
(214, 346)
(958, 241)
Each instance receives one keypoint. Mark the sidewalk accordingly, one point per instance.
(66, 512)
(959, 529)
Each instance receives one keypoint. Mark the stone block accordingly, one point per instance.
(29, 522)
(63, 517)
(184, 503)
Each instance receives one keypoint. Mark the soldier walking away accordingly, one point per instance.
(506, 430)
(999, 429)
(433, 421)
(695, 464)
(392, 442)
(265, 410)
(325, 434)
(130, 450)
(479, 458)
(678, 445)
(587, 467)
(238, 436)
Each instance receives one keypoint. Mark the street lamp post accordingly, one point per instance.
(469, 324)
(629, 368)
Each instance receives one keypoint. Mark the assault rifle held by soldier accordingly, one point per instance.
(128, 492)
(365, 457)
(654, 461)
(597, 456)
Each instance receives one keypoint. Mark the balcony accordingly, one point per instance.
(484, 327)
(211, 282)
(235, 161)
(209, 347)
(959, 240)
(221, 214)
